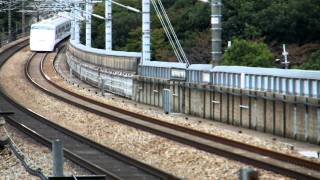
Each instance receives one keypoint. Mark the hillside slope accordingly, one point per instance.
(277, 22)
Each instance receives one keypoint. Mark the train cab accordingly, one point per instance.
(46, 34)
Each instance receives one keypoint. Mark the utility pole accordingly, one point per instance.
(146, 32)
(285, 56)
(16, 31)
(108, 21)
(88, 22)
(1, 37)
(73, 16)
(216, 16)
(9, 20)
(77, 24)
(23, 22)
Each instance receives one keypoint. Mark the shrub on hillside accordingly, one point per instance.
(248, 53)
(313, 62)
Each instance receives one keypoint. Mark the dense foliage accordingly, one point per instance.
(16, 19)
(274, 22)
(15, 26)
(246, 53)
(313, 62)
(190, 19)
(289, 21)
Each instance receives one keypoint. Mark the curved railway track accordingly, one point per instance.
(266, 159)
(88, 154)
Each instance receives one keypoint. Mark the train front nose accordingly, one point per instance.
(42, 45)
(42, 41)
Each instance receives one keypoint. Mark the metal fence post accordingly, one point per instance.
(167, 99)
(57, 153)
(318, 125)
(2, 121)
(4, 140)
(81, 78)
(1, 38)
(102, 86)
(70, 72)
(248, 174)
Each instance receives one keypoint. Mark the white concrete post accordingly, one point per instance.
(108, 16)
(167, 100)
(72, 30)
(243, 81)
(73, 23)
(70, 72)
(146, 31)
(88, 22)
(77, 24)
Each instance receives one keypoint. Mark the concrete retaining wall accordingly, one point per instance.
(291, 116)
(282, 115)
(117, 62)
(114, 81)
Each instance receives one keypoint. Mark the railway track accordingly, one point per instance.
(269, 160)
(266, 159)
(84, 152)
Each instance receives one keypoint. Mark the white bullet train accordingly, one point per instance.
(46, 34)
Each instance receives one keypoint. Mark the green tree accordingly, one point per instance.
(291, 21)
(98, 26)
(313, 62)
(190, 19)
(276, 22)
(248, 53)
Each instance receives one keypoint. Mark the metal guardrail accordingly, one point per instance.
(297, 84)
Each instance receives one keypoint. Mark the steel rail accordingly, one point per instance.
(250, 148)
(22, 113)
(143, 167)
(19, 110)
(233, 143)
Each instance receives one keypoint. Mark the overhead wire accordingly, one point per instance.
(170, 33)
(167, 32)
(173, 33)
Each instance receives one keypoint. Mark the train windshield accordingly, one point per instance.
(41, 28)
